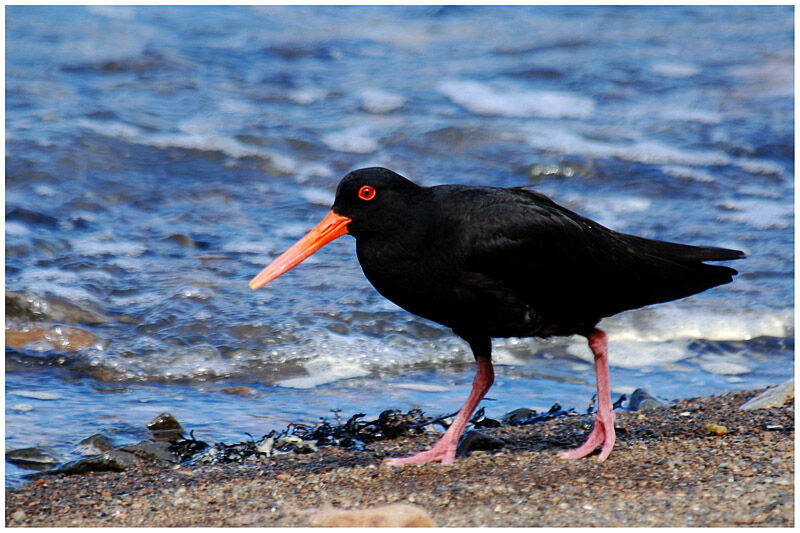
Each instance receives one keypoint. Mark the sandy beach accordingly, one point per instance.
(700, 462)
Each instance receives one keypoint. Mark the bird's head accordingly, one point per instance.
(368, 200)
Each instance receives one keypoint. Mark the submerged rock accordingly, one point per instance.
(45, 337)
(95, 444)
(51, 308)
(33, 458)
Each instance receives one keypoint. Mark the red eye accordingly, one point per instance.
(366, 193)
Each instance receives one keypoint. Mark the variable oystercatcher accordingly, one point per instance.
(491, 262)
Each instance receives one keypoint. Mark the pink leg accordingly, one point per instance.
(603, 431)
(445, 449)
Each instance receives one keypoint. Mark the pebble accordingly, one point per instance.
(716, 429)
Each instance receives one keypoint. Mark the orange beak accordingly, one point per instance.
(332, 227)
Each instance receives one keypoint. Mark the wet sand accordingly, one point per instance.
(667, 469)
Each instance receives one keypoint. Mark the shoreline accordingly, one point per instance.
(671, 466)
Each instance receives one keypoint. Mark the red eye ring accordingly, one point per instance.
(366, 193)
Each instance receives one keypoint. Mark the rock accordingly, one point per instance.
(265, 445)
(241, 390)
(183, 240)
(94, 445)
(517, 415)
(475, 440)
(18, 515)
(53, 309)
(33, 458)
(154, 451)
(523, 415)
(480, 420)
(165, 428)
(774, 397)
(716, 429)
(61, 338)
(395, 515)
(641, 400)
(112, 461)
(295, 444)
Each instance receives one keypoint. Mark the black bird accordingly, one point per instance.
(493, 262)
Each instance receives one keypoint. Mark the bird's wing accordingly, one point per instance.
(564, 263)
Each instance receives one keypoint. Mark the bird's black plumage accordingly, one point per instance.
(496, 262)
(491, 262)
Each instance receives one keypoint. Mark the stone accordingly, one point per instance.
(394, 515)
(774, 397)
(95, 444)
(641, 400)
(113, 461)
(53, 308)
(62, 338)
(33, 458)
(475, 440)
(165, 428)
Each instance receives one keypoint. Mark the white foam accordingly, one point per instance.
(689, 173)
(317, 196)
(728, 364)
(107, 245)
(356, 139)
(483, 99)
(379, 101)
(307, 95)
(651, 152)
(197, 134)
(247, 246)
(633, 354)
(187, 362)
(674, 322)
(674, 69)
(759, 213)
(424, 387)
(325, 369)
(16, 228)
(702, 116)
(642, 151)
(759, 166)
(45, 190)
(38, 395)
(113, 12)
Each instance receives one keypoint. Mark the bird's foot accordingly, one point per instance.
(442, 452)
(602, 433)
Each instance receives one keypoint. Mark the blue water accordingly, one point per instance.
(134, 131)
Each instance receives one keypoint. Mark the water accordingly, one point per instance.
(158, 157)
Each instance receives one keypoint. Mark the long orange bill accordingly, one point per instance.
(332, 227)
